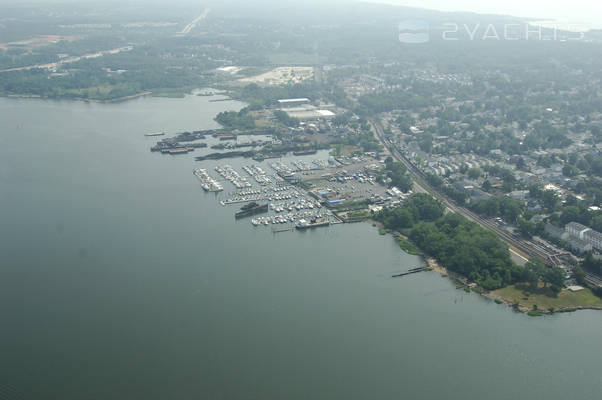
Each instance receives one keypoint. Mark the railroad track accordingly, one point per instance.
(522, 247)
(593, 279)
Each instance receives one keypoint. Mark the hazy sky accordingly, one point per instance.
(585, 12)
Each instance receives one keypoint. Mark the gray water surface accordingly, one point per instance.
(121, 279)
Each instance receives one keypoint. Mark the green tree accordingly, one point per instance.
(474, 173)
(579, 275)
(549, 200)
(526, 228)
(486, 186)
(569, 170)
(554, 276)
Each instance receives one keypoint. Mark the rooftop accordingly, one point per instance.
(303, 99)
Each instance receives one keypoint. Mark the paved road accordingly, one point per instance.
(70, 60)
(194, 23)
(523, 248)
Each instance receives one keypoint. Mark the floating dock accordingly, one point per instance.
(207, 183)
(230, 174)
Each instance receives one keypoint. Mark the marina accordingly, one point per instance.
(330, 186)
(301, 219)
(258, 174)
(286, 205)
(230, 174)
(207, 183)
(217, 299)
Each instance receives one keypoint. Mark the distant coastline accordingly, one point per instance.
(113, 100)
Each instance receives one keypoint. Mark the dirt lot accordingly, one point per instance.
(281, 75)
(38, 41)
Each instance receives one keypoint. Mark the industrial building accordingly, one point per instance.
(286, 103)
(309, 113)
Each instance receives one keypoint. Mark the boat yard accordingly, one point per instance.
(298, 192)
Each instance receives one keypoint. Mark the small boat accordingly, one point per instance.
(155, 134)
(313, 223)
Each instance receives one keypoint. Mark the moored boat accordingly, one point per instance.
(313, 223)
(251, 209)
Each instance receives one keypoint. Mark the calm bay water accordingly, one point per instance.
(121, 279)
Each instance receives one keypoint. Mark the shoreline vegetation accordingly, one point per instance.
(515, 296)
(525, 292)
(414, 226)
(88, 100)
(172, 94)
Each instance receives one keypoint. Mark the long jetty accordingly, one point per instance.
(410, 271)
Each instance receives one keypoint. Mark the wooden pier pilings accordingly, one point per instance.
(410, 271)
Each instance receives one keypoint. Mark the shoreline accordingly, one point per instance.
(155, 93)
(462, 281)
(115, 100)
(431, 263)
(119, 99)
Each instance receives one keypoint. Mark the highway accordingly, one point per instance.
(69, 60)
(194, 23)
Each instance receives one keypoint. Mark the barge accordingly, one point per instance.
(251, 209)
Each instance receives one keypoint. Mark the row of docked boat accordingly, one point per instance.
(302, 165)
(258, 173)
(230, 174)
(259, 195)
(320, 164)
(295, 205)
(264, 190)
(299, 165)
(207, 183)
(282, 168)
(298, 217)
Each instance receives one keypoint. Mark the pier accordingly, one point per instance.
(229, 173)
(207, 183)
(289, 207)
(410, 271)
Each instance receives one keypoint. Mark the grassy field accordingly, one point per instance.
(407, 246)
(358, 214)
(262, 123)
(544, 300)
